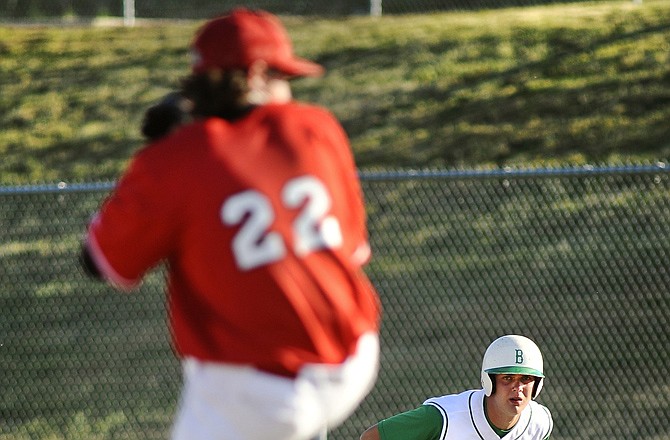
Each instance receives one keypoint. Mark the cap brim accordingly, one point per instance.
(299, 67)
(515, 370)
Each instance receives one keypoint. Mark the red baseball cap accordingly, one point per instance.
(236, 40)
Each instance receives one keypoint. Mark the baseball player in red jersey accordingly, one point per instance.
(256, 207)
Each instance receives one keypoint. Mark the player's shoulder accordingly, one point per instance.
(540, 410)
(453, 402)
(541, 419)
(186, 137)
(297, 123)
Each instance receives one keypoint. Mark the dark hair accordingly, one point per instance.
(217, 93)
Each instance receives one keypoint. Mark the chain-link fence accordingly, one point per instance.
(576, 259)
(199, 9)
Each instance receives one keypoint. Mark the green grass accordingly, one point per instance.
(554, 85)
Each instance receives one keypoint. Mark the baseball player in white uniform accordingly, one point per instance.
(512, 376)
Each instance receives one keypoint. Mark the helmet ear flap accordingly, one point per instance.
(539, 381)
(487, 384)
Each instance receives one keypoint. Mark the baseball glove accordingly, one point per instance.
(163, 117)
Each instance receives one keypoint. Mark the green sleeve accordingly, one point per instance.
(423, 423)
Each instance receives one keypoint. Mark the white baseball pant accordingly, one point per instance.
(232, 402)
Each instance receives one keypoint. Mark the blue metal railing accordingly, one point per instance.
(401, 174)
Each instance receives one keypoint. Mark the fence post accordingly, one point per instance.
(129, 12)
(376, 8)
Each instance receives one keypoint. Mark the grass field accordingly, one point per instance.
(563, 84)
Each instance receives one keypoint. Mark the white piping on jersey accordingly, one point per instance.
(445, 419)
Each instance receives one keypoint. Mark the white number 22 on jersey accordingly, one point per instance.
(313, 229)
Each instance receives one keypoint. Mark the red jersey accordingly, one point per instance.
(262, 225)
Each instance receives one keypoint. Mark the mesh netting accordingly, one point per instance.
(576, 261)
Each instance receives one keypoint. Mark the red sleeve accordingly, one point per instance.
(125, 239)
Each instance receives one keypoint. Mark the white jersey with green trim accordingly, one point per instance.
(463, 418)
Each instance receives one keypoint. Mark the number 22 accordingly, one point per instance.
(313, 229)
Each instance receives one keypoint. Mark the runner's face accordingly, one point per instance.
(513, 393)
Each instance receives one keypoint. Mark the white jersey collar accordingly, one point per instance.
(482, 426)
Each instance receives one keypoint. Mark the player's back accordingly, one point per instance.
(271, 221)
